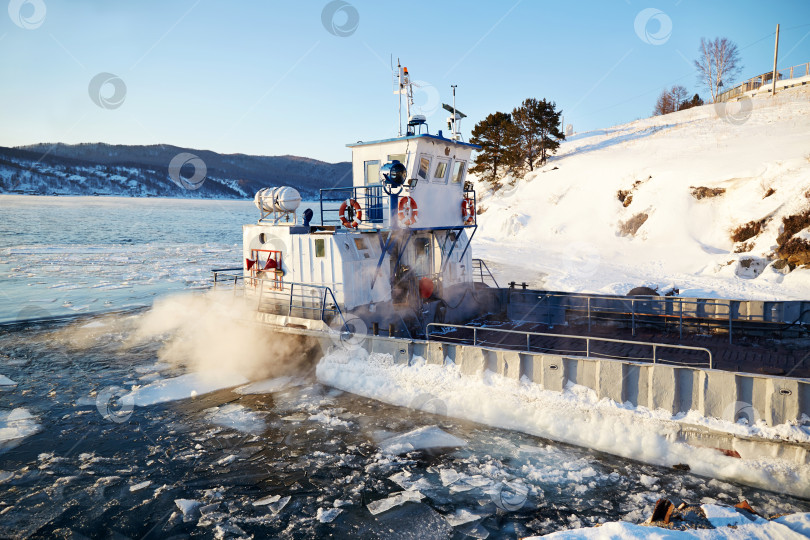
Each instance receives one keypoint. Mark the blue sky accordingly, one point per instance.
(270, 78)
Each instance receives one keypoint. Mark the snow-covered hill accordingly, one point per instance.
(142, 171)
(622, 207)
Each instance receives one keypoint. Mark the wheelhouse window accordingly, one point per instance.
(440, 174)
(402, 158)
(372, 172)
(458, 172)
(424, 167)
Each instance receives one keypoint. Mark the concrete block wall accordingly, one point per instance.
(675, 389)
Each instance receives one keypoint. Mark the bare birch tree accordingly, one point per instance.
(717, 64)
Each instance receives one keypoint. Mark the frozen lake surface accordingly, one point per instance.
(102, 436)
(67, 255)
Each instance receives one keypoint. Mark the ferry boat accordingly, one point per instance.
(390, 254)
(386, 264)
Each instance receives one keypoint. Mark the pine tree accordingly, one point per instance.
(539, 130)
(498, 138)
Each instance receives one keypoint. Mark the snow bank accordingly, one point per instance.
(765, 530)
(563, 222)
(575, 416)
(794, 526)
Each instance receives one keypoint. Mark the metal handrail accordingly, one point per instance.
(543, 297)
(371, 199)
(587, 339)
(483, 266)
(326, 292)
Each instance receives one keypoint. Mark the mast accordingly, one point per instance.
(399, 91)
(408, 93)
(453, 86)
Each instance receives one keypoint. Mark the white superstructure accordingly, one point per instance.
(392, 249)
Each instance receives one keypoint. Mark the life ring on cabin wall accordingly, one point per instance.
(408, 211)
(350, 213)
(468, 211)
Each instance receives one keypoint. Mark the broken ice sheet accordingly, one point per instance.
(237, 417)
(275, 503)
(140, 486)
(328, 515)
(397, 499)
(187, 507)
(266, 500)
(462, 516)
(424, 438)
(474, 530)
(410, 482)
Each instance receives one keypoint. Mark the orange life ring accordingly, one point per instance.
(408, 211)
(355, 213)
(468, 211)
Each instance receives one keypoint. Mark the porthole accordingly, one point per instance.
(262, 238)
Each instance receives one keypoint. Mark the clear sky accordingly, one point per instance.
(305, 78)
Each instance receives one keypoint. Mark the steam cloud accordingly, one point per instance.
(215, 332)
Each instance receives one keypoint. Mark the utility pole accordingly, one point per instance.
(775, 55)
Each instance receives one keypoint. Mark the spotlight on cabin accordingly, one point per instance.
(394, 175)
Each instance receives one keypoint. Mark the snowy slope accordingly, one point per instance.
(564, 222)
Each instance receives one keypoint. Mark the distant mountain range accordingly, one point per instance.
(144, 171)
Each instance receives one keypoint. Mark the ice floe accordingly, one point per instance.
(182, 387)
(397, 499)
(15, 425)
(328, 515)
(424, 438)
(237, 417)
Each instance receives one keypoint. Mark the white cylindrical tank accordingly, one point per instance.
(278, 199)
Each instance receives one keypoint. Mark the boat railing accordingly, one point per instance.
(372, 200)
(293, 299)
(672, 311)
(482, 272)
(541, 343)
